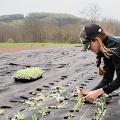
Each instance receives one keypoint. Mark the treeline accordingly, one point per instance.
(44, 27)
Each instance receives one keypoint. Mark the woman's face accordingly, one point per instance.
(95, 46)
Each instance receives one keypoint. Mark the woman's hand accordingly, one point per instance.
(83, 93)
(92, 95)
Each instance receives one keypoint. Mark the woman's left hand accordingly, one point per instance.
(92, 95)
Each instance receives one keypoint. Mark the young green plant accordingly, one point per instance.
(2, 111)
(34, 117)
(101, 107)
(80, 100)
(18, 116)
(79, 104)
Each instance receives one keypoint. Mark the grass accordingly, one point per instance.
(37, 45)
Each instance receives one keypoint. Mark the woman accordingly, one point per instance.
(107, 47)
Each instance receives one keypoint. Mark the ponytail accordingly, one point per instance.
(100, 69)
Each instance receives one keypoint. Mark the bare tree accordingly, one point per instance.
(111, 26)
(91, 12)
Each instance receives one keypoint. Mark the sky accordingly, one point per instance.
(107, 8)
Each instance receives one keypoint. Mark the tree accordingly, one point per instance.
(91, 12)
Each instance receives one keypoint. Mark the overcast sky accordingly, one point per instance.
(109, 8)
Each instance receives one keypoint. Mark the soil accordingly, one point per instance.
(67, 67)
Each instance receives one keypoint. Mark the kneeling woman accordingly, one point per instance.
(107, 47)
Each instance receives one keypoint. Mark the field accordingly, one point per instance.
(53, 96)
(26, 46)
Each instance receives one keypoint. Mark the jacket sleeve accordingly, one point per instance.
(108, 75)
(116, 83)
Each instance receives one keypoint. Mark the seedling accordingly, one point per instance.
(28, 74)
(37, 103)
(80, 100)
(101, 107)
(2, 111)
(74, 93)
(62, 105)
(18, 116)
(79, 104)
(57, 97)
(34, 117)
(43, 110)
(39, 106)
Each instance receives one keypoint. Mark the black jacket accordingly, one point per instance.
(111, 65)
